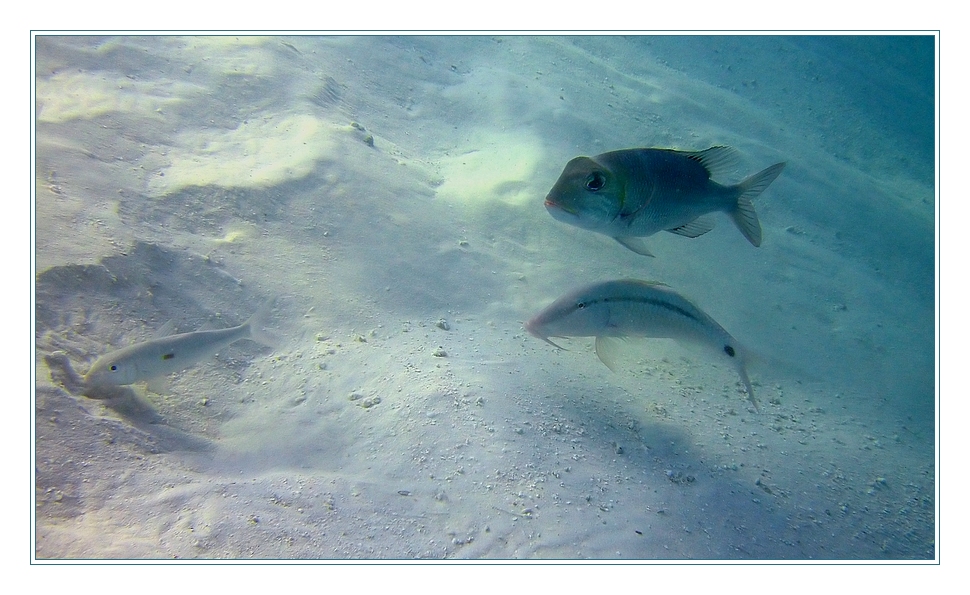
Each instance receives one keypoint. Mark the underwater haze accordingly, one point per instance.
(385, 194)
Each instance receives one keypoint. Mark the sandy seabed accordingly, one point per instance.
(387, 192)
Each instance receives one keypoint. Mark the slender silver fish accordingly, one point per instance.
(174, 353)
(614, 310)
(633, 193)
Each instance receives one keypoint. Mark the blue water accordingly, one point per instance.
(388, 191)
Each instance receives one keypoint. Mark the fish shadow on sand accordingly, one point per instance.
(128, 405)
(139, 413)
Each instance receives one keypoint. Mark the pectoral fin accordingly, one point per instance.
(635, 244)
(159, 385)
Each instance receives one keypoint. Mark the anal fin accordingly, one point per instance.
(608, 350)
(634, 243)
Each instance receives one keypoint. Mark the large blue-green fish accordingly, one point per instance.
(634, 193)
(613, 310)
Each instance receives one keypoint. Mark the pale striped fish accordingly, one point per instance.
(614, 310)
(165, 355)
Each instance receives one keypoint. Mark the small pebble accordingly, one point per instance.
(370, 402)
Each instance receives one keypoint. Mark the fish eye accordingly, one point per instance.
(729, 350)
(595, 181)
(113, 368)
(580, 305)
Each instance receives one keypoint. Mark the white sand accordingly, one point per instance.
(192, 178)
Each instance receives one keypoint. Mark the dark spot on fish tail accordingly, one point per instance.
(168, 356)
(729, 350)
(595, 181)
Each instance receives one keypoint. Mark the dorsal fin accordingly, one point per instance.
(165, 330)
(718, 161)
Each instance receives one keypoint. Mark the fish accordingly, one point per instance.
(613, 311)
(634, 193)
(170, 353)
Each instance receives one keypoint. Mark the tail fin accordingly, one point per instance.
(743, 215)
(743, 373)
(259, 320)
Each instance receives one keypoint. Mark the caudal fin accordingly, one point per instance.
(743, 373)
(257, 323)
(743, 214)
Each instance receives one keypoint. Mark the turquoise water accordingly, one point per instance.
(388, 192)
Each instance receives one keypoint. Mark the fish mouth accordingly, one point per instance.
(554, 207)
(532, 327)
